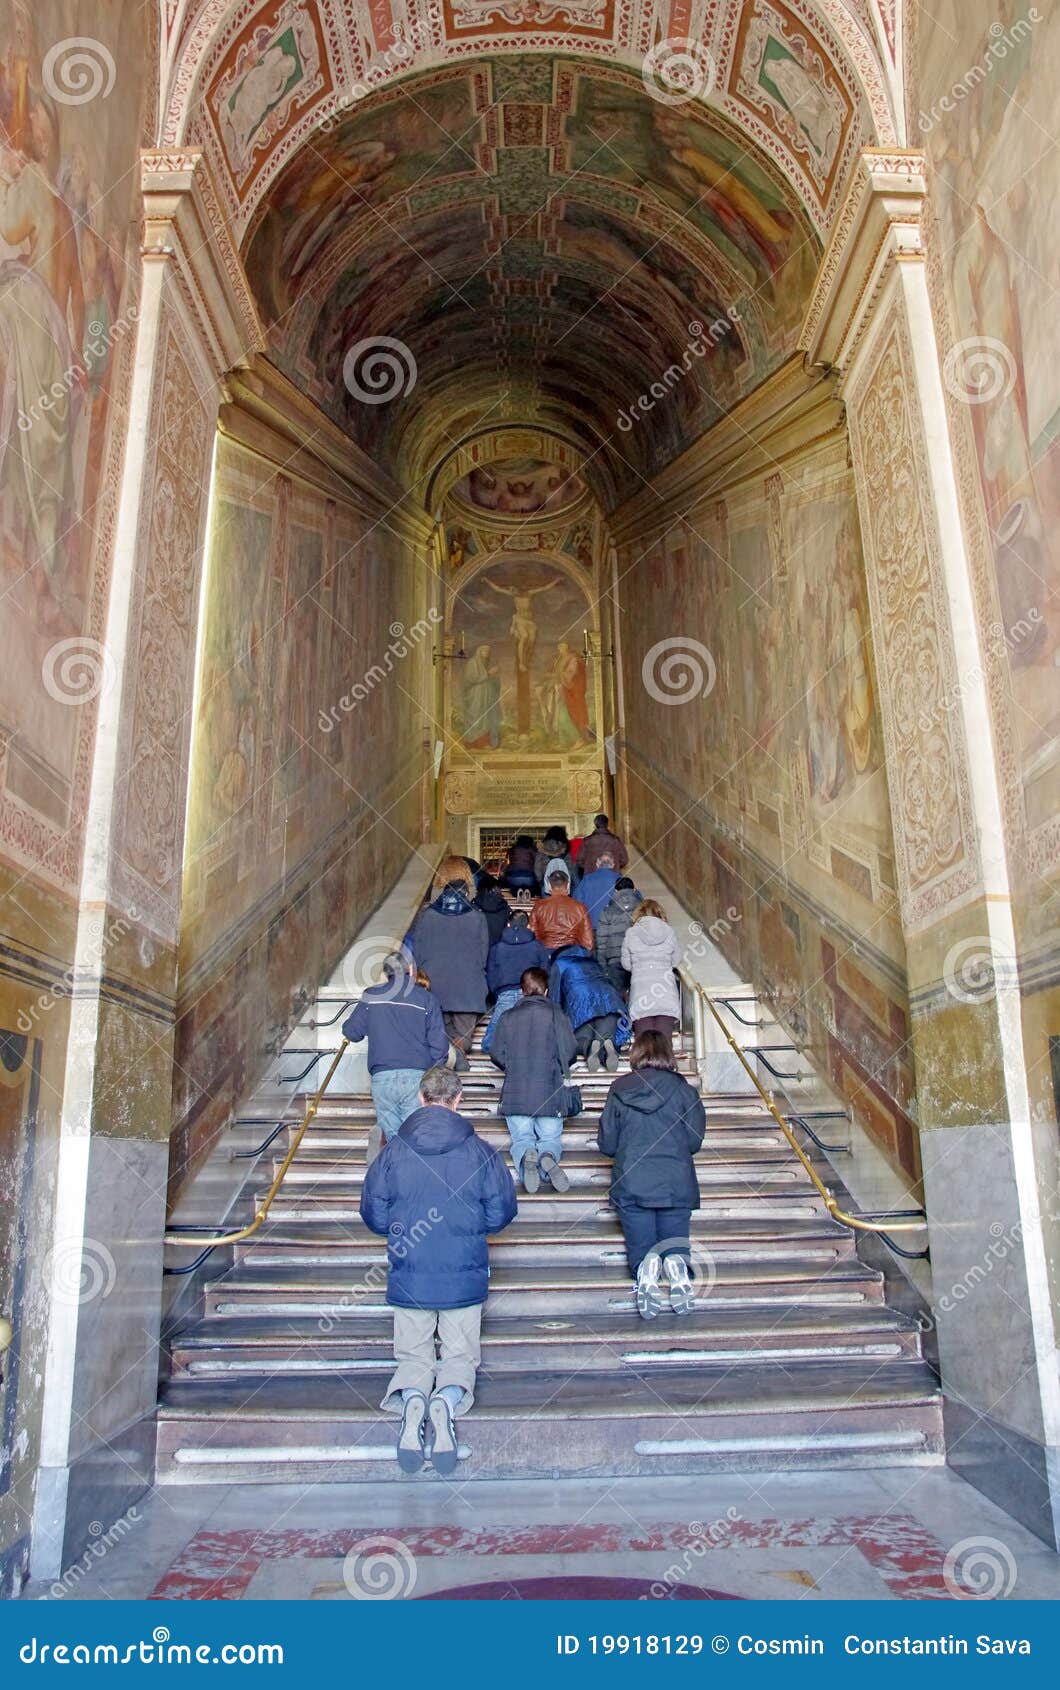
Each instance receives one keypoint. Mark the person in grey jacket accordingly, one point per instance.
(406, 1035)
(451, 940)
(535, 1046)
(612, 927)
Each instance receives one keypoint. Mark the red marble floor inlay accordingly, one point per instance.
(219, 1565)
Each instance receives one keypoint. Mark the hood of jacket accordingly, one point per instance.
(517, 936)
(627, 898)
(648, 1089)
(650, 931)
(433, 1129)
(451, 903)
(571, 953)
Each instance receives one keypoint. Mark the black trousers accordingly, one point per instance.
(645, 1229)
(600, 1027)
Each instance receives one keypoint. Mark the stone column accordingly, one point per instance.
(988, 1169)
(196, 321)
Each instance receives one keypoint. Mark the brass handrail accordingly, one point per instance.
(198, 1242)
(830, 1202)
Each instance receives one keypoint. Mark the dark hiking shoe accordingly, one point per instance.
(460, 1061)
(553, 1173)
(443, 1436)
(649, 1292)
(531, 1173)
(412, 1433)
(610, 1056)
(592, 1061)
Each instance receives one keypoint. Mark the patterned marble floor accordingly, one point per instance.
(887, 1535)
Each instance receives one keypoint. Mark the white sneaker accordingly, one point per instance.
(649, 1293)
(682, 1294)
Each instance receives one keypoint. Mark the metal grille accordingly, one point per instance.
(494, 842)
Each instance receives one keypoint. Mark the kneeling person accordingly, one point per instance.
(403, 1024)
(436, 1193)
(535, 1046)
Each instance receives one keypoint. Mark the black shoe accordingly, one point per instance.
(460, 1061)
(531, 1174)
(610, 1056)
(592, 1061)
(443, 1436)
(412, 1433)
(553, 1173)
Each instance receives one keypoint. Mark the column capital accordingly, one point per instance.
(878, 226)
(186, 229)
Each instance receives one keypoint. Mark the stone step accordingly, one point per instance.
(269, 1345)
(579, 1133)
(326, 1177)
(596, 1242)
(682, 1419)
(531, 1288)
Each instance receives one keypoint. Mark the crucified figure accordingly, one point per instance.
(523, 628)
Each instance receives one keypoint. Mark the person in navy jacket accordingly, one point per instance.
(406, 1035)
(436, 1193)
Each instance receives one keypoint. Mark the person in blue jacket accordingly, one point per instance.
(515, 951)
(595, 1010)
(597, 886)
(406, 1035)
(436, 1193)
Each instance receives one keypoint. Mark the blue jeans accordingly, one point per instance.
(395, 1093)
(543, 1133)
(507, 998)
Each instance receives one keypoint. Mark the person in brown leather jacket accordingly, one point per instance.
(559, 919)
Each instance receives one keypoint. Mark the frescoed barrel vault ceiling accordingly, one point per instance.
(512, 192)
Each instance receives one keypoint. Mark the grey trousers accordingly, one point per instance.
(419, 1368)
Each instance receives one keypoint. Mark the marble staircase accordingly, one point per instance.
(792, 1357)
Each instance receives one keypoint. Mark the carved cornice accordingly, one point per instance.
(185, 227)
(269, 415)
(878, 227)
(787, 415)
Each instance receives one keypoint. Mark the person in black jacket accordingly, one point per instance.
(450, 939)
(515, 951)
(493, 904)
(436, 1194)
(406, 1035)
(535, 1046)
(652, 1125)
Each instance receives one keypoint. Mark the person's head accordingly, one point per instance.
(441, 1087)
(600, 822)
(624, 884)
(487, 882)
(557, 836)
(453, 869)
(648, 906)
(396, 966)
(525, 842)
(605, 860)
(652, 1050)
(519, 918)
(534, 982)
(558, 882)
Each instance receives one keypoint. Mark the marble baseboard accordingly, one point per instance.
(1021, 1476)
(78, 1504)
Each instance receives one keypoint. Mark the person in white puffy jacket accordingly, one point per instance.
(651, 952)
